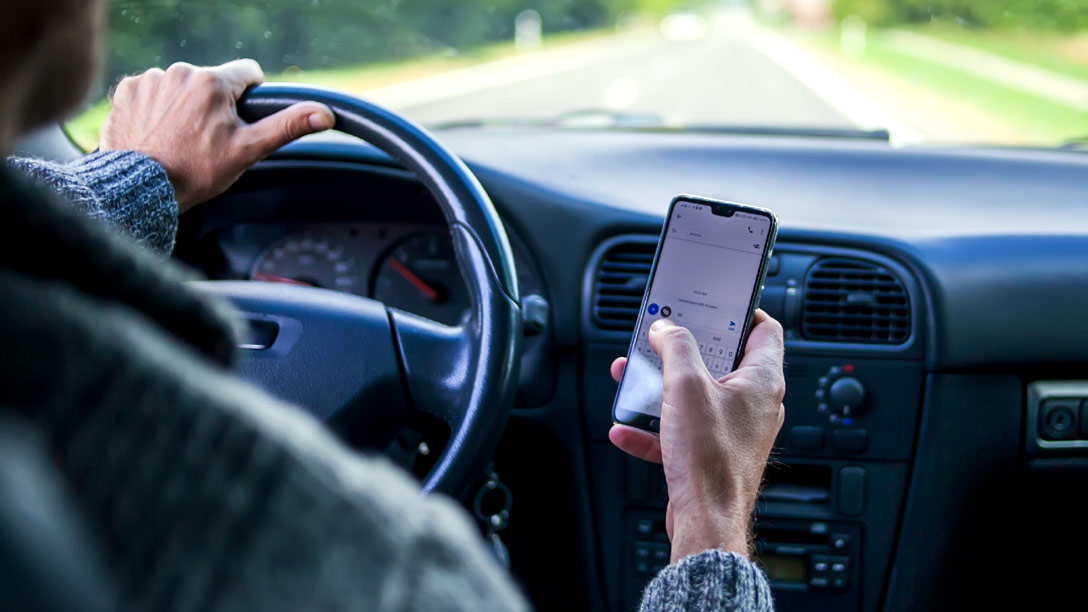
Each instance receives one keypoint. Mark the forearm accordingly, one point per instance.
(126, 190)
(711, 581)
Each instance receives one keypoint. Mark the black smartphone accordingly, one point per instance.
(706, 276)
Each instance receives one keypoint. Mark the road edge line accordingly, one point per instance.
(830, 86)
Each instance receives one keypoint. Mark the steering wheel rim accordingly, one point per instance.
(473, 391)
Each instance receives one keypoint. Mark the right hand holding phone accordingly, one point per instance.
(715, 435)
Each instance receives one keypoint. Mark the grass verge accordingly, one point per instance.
(992, 113)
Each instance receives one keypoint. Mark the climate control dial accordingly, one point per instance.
(845, 396)
(840, 396)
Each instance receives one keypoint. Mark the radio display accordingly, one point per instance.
(783, 569)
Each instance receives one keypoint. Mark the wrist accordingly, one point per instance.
(728, 529)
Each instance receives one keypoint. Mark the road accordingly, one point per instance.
(726, 77)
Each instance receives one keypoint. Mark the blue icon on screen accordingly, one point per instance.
(652, 309)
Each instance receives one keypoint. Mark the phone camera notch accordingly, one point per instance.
(723, 211)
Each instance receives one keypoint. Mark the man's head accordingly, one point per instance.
(49, 56)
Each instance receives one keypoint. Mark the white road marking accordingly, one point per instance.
(848, 100)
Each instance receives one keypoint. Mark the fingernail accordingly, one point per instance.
(321, 121)
(661, 325)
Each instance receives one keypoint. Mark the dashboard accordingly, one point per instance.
(936, 293)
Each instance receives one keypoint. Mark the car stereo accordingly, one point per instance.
(807, 562)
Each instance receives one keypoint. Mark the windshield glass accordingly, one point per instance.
(947, 71)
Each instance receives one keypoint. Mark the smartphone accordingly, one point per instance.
(706, 276)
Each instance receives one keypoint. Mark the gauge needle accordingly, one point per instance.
(416, 281)
(264, 276)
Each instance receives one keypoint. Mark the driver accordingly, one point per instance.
(139, 472)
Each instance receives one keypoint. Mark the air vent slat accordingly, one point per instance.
(619, 299)
(621, 278)
(856, 301)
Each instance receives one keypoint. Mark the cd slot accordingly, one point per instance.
(797, 488)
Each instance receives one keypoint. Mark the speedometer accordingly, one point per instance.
(311, 259)
(420, 275)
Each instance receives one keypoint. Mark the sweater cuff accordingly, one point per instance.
(712, 580)
(134, 195)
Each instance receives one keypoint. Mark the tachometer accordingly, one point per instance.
(311, 259)
(419, 274)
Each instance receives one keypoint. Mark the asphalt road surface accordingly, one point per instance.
(722, 78)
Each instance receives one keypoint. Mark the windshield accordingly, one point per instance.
(1009, 72)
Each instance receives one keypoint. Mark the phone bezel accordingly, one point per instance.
(718, 207)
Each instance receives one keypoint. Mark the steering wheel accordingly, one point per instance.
(349, 359)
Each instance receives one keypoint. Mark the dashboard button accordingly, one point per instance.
(1058, 419)
(851, 490)
(1083, 420)
(807, 437)
(850, 440)
(840, 541)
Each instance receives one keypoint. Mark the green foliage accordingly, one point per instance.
(1060, 15)
(312, 34)
(877, 12)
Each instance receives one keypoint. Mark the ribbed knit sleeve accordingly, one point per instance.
(711, 581)
(127, 190)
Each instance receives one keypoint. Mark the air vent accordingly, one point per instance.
(621, 280)
(850, 300)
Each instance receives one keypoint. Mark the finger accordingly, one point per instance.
(635, 442)
(765, 347)
(239, 75)
(678, 350)
(618, 367)
(269, 134)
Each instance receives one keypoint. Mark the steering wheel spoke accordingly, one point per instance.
(436, 360)
(331, 353)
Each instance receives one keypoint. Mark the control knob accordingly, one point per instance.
(846, 396)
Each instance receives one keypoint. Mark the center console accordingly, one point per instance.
(829, 509)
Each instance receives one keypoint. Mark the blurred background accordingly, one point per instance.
(1004, 72)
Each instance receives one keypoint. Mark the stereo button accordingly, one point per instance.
(850, 440)
(807, 437)
(840, 541)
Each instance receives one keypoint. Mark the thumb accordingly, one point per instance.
(678, 350)
(269, 134)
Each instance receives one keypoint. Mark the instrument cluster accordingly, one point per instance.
(407, 266)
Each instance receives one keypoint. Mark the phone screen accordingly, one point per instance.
(705, 279)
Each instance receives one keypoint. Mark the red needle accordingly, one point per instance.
(416, 281)
(264, 276)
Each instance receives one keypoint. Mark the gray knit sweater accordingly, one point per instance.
(209, 493)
